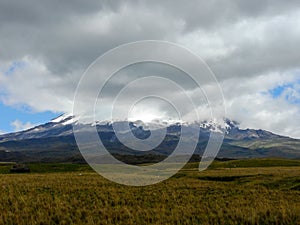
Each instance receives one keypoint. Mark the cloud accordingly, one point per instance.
(34, 85)
(19, 125)
(251, 46)
(292, 93)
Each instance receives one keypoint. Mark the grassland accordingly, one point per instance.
(234, 192)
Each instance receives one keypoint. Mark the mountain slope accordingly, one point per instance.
(54, 141)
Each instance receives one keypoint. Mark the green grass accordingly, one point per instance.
(48, 167)
(263, 191)
(71, 167)
(255, 163)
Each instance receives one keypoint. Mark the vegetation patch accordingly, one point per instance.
(224, 178)
(74, 194)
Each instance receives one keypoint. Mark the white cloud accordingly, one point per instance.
(19, 125)
(249, 102)
(252, 47)
(292, 93)
(34, 85)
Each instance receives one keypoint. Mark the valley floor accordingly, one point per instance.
(227, 193)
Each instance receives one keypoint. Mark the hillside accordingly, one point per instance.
(55, 142)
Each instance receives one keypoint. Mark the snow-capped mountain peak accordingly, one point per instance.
(64, 119)
(56, 138)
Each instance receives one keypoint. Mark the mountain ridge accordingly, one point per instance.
(54, 141)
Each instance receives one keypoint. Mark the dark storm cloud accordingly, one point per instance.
(244, 42)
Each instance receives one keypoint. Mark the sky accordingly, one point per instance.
(252, 47)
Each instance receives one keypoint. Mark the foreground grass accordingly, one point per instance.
(224, 194)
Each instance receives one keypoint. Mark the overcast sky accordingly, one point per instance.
(253, 48)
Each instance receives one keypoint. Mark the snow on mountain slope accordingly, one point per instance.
(55, 139)
(62, 126)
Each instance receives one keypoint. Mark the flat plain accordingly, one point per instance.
(257, 191)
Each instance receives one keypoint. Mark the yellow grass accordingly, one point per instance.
(265, 195)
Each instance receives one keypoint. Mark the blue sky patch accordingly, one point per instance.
(10, 114)
(277, 91)
(290, 96)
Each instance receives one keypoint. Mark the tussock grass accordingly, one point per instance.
(220, 195)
